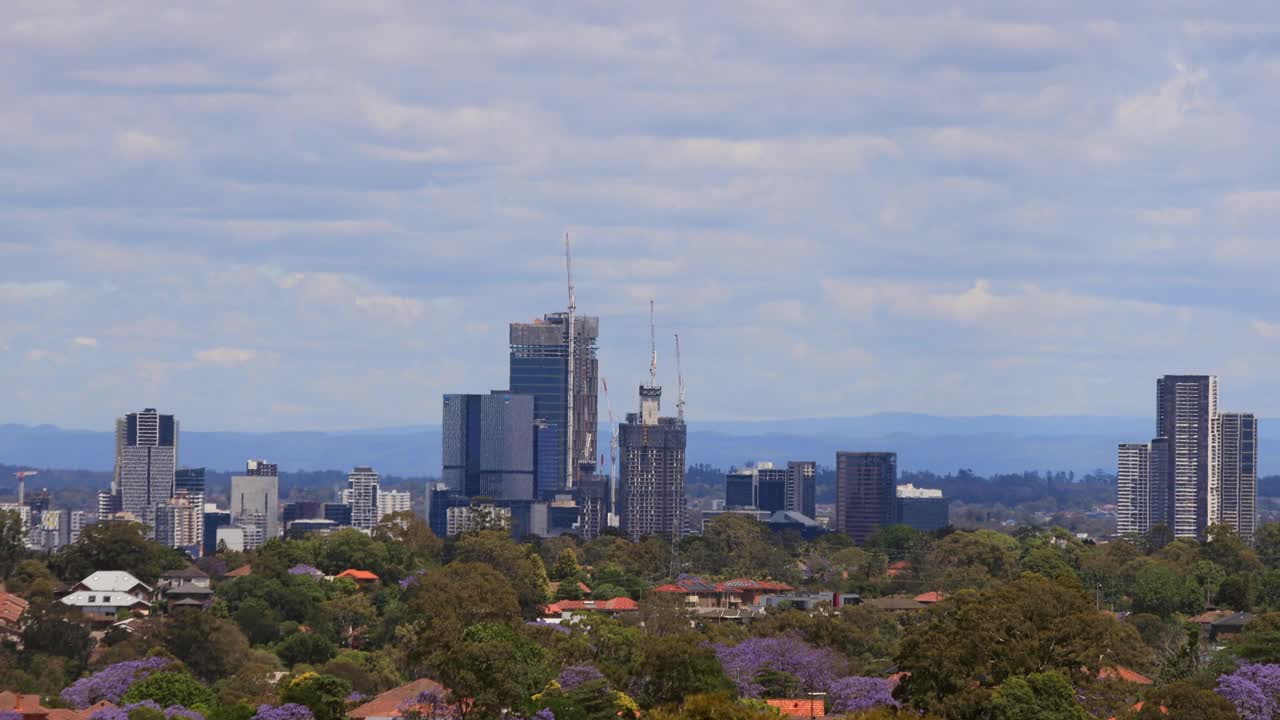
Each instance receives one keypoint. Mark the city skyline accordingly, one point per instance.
(334, 240)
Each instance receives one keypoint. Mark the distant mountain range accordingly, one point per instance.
(984, 444)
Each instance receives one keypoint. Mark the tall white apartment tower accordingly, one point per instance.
(1133, 489)
(362, 495)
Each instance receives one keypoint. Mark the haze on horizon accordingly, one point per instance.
(320, 215)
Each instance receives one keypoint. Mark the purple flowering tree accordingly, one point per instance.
(1254, 690)
(111, 682)
(814, 668)
(10, 715)
(429, 705)
(856, 694)
(122, 713)
(574, 675)
(177, 712)
(288, 711)
(411, 579)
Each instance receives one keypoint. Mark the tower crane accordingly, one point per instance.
(570, 458)
(679, 383)
(22, 476)
(613, 451)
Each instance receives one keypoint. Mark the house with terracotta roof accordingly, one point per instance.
(812, 707)
(362, 577)
(30, 708)
(242, 571)
(569, 609)
(1124, 674)
(11, 609)
(392, 703)
(699, 593)
(929, 598)
(898, 568)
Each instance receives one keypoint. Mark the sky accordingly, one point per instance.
(322, 215)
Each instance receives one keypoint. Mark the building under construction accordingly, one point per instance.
(540, 360)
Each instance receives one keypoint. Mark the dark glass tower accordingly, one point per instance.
(865, 492)
(540, 367)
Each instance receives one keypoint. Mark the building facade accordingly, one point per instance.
(1134, 485)
(393, 501)
(256, 496)
(651, 470)
(540, 368)
(362, 497)
(1186, 406)
(865, 492)
(489, 445)
(802, 487)
(1237, 467)
(147, 462)
(923, 509)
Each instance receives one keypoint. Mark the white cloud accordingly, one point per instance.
(84, 342)
(139, 146)
(224, 357)
(40, 290)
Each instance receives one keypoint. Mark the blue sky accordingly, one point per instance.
(298, 215)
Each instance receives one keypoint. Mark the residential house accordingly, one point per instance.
(189, 595)
(11, 609)
(28, 707)
(811, 707)
(699, 593)
(242, 571)
(390, 704)
(190, 575)
(571, 610)
(362, 577)
(105, 593)
(896, 604)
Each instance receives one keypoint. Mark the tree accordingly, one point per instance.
(211, 647)
(1030, 625)
(1039, 696)
(1266, 543)
(520, 564)
(1260, 640)
(493, 667)
(959, 554)
(566, 568)
(1184, 701)
(713, 706)
(32, 580)
(258, 620)
(349, 548)
(324, 695)
(409, 541)
(1160, 589)
(1224, 547)
(1254, 690)
(305, 648)
(859, 694)
(52, 631)
(171, 688)
(452, 598)
(117, 546)
(814, 669)
(667, 669)
(13, 537)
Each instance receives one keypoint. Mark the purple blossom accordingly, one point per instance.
(856, 694)
(288, 711)
(575, 675)
(544, 714)
(111, 682)
(355, 697)
(122, 713)
(1254, 690)
(10, 715)
(411, 578)
(304, 569)
(430, 704)
(815, 668)
(177, 712)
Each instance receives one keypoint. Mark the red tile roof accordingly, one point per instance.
(358, 575)
(11, 608)
(621, 604)
(671, 589)
(930, 597)
(240, 571)
(897, 567)
(896, 678)
(26, 704)
(803, 708)
(388, 703)
(1125, 674)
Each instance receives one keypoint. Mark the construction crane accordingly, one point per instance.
(679, 383)
(22, 476)
(570, 458)
(653, 350)
(613, 451)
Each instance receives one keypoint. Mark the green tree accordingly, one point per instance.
(258, 620)
(520, 564)
(1039, 696)
(1160, 589)
(305, 648)
(1260, 640)
(324, 695)
(212, 648)
(1031, 625)
(171, 688)
(1184, 701)
(409, 541)
(32, 580)
(1225, 548)
(667, 669)
(566, 567)
(973, 559)
(1268, 593)
(349, 548)
(493, 666)
(13, 542)
(117, 546)
(446, 601)
(54, 631)
(1266, 543)
(712, 706)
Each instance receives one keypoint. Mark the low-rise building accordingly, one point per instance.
(105, 593)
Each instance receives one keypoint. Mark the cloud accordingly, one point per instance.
(41, 290)
(226, 357)
(139, 146)
(82, 341)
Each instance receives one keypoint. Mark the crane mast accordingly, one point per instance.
(679, 383)
(573, 308)
(653, 350)
(613, 452)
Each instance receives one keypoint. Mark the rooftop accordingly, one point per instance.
(112, 581)
(387, 705)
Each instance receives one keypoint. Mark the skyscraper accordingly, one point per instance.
(651, 470)
(740, 488)
(865, 492)
(802, 495)
(393, 501)
(1134, 486)
(1237, 480)
(488, 445)
(255, 499)
(147, 462)
(362, 496)
(1186, 409)
(771, 488)
(924, 509)
(540, 367)
(188, 483)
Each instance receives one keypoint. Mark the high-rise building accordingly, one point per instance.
(802, 487)
(261, 468)
(594, 506)
(1186, 407)
(740, 488)
(924, 509)
(190, 482)
(214, 520)
(651, 470)
(79, 521)
(256, 494)
(540, 367)
(1134, 486)
(147, 462)
(179, 523)
(362, 496)
(488, 445)
(393, 501)
(305, 510)
(339, 513)
(1237, 481)
(771, 488)
(865, 494)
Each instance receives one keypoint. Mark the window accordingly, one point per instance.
(93, 598)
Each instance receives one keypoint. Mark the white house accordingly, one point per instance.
(106, 592)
